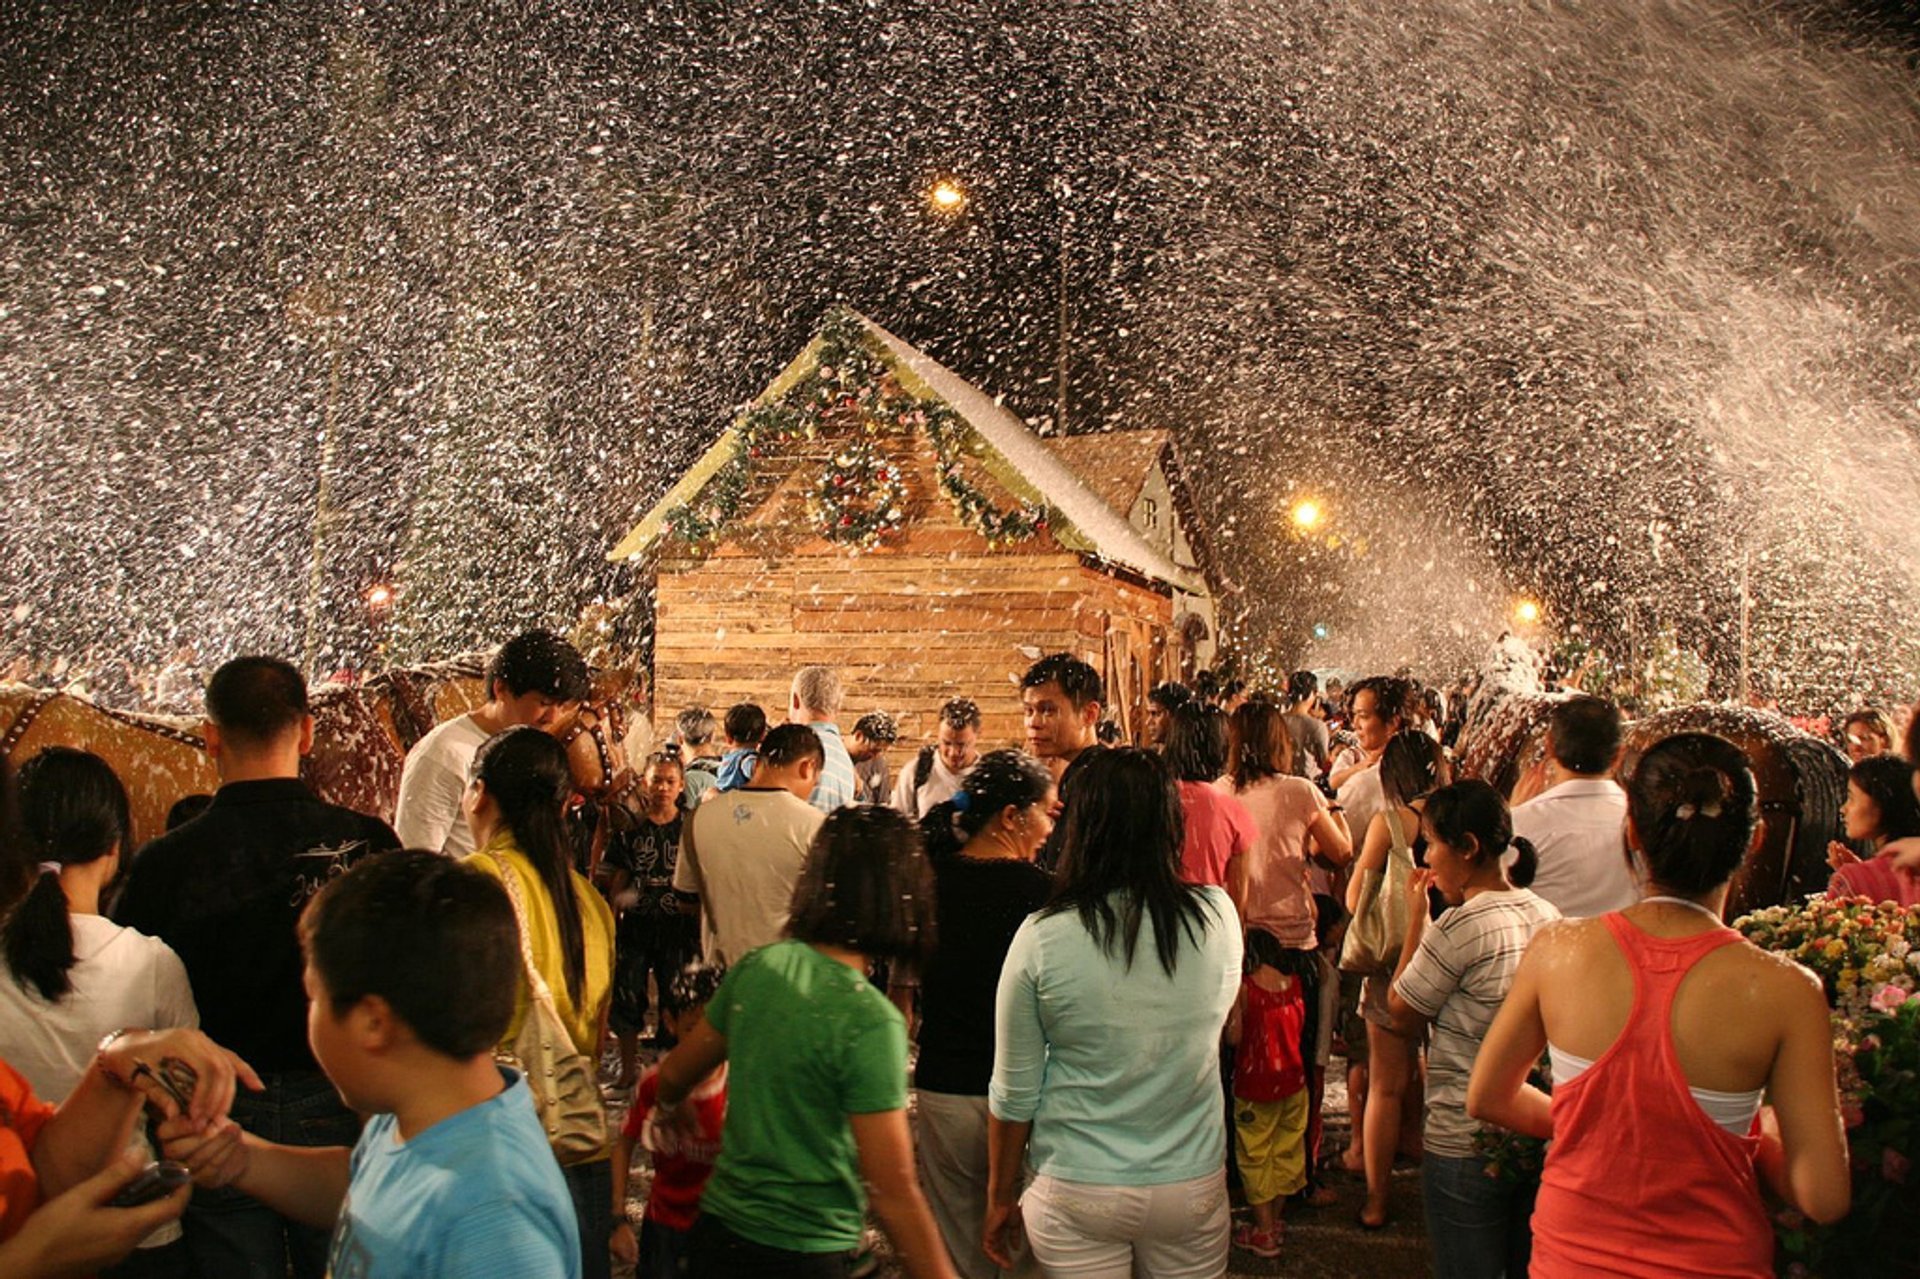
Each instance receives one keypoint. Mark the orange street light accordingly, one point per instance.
(1307, 515)
(948, 196)
(1526, 612)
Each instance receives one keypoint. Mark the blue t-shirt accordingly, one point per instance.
(478, 1194)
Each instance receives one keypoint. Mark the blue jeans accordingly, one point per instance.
(238, 1237)
(663, 1251)
(1477, 1226)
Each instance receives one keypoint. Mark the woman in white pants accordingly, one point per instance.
(1106, 1084)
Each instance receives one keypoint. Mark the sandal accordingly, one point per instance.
(1261, 1243)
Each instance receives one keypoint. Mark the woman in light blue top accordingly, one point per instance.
(1106, 1083)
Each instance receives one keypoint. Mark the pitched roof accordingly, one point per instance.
(1016, 457)
(1114, 464)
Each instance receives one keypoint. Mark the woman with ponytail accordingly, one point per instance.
(72, 976)
(985, 885)
(1665, 1029)
(1453, 975)
(516, 806)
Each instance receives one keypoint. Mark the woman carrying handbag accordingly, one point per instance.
(1412, 766)
(515, 803)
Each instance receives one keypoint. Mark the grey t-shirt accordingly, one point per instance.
(1309, 745)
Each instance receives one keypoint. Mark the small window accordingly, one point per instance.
(1150, 514)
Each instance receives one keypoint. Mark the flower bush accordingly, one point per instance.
(1865, 956)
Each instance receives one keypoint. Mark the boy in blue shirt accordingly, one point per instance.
(413, 962)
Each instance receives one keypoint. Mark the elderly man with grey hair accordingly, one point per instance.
(814, 702)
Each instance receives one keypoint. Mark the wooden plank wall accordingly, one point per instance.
(934, 614)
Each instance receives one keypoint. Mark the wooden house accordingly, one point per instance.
(873, 511)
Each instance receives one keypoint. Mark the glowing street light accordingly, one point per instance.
(379, 596)
(948, 196)
(1526, 612)
(1307, 515)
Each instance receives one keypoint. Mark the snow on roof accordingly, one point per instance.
(1082, 520)
(1107, 534)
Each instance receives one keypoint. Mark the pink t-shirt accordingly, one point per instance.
(1219, 828)
(1876, 879)
(1279, 898)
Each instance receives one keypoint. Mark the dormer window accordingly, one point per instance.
(1149, 515)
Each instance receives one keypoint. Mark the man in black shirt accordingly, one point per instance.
(1060, 700)
(225, 891)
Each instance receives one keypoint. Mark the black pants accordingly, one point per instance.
(717, 1253)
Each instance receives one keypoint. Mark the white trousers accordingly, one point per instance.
(1177, 1230)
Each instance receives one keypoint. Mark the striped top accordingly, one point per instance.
(1459, 978)
(836, 786)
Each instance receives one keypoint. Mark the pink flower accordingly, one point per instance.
(1888, 998)
(1894, 1166)
(1853, 1115)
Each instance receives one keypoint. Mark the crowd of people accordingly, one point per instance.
(1069, 1007)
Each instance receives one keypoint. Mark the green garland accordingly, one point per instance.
(860, 497)
(859, 500)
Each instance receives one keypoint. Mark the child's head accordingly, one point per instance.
(744, 725)
(866, 886)
(406, 950)
(1329, 921)
(688, 994)
(1265, 951)
(664, 780)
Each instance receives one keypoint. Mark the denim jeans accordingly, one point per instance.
(238, 1237)
(1476, 1225)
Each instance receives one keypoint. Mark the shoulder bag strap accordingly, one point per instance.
(535, 982)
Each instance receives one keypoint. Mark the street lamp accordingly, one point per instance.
(1307, 515)
(1526, 612)
(948, 196)
(379, 597)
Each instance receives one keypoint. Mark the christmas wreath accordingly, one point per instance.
(860, 497)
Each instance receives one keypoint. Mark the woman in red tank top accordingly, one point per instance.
(1664, 1026)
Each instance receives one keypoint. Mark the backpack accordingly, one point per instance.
(922, 767)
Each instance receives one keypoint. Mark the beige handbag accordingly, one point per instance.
(566, 1094)
(1379, 927)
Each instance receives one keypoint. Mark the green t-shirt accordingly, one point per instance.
(809, 1042)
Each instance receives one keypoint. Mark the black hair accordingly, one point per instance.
(186, 808)
(1079, 681)
(1170, 695)
(72, 810)
(866, 885)
(1329, 912)
(746, 724)
(1000, 780)
(1694, 807)
(1232, 689)
(1390, 695)
(692, 987)
(791, 743)
(1584, 734)
(670, 758)
(433, 937)
(1473, 807)
(1206, 686)
(1107, 733)
(1411, 766)
(696, 725)
(1120, 856)
(877, 726)
(540, 662)
(961, 713)
(1258, 744)
(1887, 780)
(1301, 685)
(1196, 748)
(256, 700)
(526, 773)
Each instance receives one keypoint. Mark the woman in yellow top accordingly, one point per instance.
(516, 804)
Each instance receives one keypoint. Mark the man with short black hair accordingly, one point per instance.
(814, 701)
(1578, 824)
(873, 734)
(939, 769)
(1311, 745)
(225, 891)
(536, 678)
(740, 855)
(1060, 698)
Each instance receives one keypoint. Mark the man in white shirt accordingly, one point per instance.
(741, 853)
(1578, 824)
(935, 775)
(536, 678)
